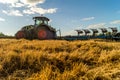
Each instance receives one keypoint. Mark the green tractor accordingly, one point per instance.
(40, 30)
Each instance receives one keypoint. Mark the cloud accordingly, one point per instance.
(88, 19)
(32, 2)
(43, 11)
(35, 1)
(100, 25)
(2, 19)
(13, 12)
(19, 2)
(37, 10)
(8, 1)
(29, 7)
(115, 22)
(70, 33)
(28, 12)
(17, 5)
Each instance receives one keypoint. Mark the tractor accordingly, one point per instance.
(40, 30)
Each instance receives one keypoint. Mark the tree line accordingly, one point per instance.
(2, 34)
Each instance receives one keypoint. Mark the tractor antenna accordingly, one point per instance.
(41, 14)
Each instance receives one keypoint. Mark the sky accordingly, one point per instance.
(66, 15)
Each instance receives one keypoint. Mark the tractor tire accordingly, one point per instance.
(42, 34)
(20, 35)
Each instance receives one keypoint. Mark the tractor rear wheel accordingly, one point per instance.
(42, 34)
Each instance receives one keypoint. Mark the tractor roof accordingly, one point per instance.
(41, 18)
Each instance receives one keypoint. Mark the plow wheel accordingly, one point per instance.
(20, 35)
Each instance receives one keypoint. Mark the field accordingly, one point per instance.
(59, 60)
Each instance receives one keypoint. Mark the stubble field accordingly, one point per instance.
(59, 60)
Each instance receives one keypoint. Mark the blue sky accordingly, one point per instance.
(67, 15)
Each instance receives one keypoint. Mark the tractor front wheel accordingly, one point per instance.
(20, 35)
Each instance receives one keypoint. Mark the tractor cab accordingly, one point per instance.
(40, 20)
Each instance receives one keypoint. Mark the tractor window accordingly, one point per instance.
(38, 22)
(46, 22)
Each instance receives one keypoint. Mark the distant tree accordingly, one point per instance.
(1, 34)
